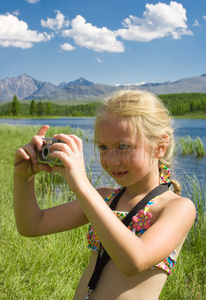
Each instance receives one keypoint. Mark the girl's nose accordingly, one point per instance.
(113, 157)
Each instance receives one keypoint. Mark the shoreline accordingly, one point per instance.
(47, 117)
(194, 116)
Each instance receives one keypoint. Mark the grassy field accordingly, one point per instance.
(192, 115)
(198, 115)
(50, 267)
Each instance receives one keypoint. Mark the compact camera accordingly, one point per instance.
(44, 157)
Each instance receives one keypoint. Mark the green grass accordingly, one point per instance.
(47, 267)
(188, 146)
(192, 115)
(198, 115)
(199, 147)
(50, 267)
(188, 278)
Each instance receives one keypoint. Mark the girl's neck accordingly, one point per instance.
(144, 186)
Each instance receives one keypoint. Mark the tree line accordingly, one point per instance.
(178, 104)
(40, 109)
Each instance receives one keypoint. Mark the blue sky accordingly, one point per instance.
(104, 41)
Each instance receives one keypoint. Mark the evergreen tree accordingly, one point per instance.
(204, 105)
(40, 108)
(193, 106)
(33, 108)
(15, 106)
(49, 109)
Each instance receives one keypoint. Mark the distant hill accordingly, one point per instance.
(28, 88)
(186, 85)
(24, 86)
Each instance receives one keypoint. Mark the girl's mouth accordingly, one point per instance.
(119, 174)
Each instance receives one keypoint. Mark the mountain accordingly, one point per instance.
(81, 81)
(71, 92)
(186, 85)
(26, 87)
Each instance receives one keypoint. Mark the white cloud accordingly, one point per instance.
(32, 1)
(16, 12)
(91, 37)
(15, 33)
(67, 47)
(99, 60)
(204, 17)
(159, 20)
(196, 23)
(56, 24)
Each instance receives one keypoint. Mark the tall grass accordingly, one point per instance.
(187, 146)
(199, 147)
(50, 267)
(47, 267)
(188, 279)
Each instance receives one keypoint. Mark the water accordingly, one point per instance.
(192, 127)
(183, 127)
(83, 123)
(190, 164)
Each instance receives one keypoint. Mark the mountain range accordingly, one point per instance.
(28, 88)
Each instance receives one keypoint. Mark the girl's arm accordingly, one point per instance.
(30, 220)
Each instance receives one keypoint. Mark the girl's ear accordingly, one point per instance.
(161, 147)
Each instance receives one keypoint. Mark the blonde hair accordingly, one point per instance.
(149, 116)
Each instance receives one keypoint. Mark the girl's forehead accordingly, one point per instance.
(122, 124)
(116, 129)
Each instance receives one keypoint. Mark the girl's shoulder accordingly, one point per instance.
(184, 204)
(176, 205)
(174, 199)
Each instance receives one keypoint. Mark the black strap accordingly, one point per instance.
(102, 261)
(160, 189)
(116, 199)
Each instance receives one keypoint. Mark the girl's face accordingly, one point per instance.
(123, 155)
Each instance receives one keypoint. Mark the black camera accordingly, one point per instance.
(44, 157)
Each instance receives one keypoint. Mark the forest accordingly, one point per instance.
(178, 105)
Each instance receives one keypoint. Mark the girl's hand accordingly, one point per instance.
(71, 154)
(25, 161)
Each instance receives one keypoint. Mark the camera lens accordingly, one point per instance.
(45, 152)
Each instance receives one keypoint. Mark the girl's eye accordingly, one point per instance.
(102, 147)
(124, 146)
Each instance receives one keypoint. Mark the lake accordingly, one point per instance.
(183, 127)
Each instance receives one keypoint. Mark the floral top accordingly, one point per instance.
(140, 223)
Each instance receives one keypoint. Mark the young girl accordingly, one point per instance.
(135, 142)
